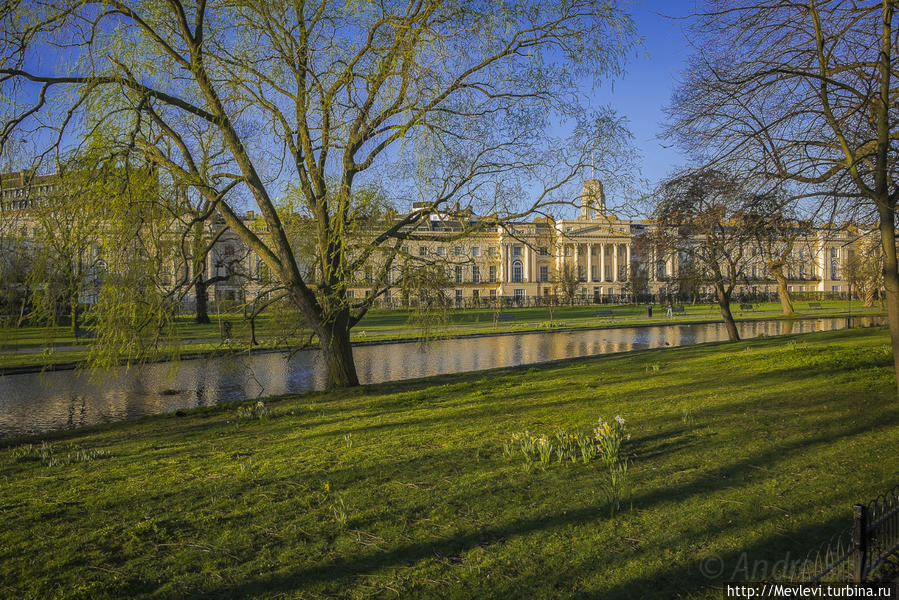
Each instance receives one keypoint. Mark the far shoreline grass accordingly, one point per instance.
(403, 488)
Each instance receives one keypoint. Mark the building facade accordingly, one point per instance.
(596, 257)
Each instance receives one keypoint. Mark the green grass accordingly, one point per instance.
(404, 490)
(32, 347)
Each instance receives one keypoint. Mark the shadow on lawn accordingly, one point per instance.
(703, 577)
(684, 578)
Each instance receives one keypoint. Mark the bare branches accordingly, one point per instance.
(444, 99)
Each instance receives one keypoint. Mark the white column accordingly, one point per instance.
(628, 263)
(589, 262)
(602, 262)
(526, 275)
(502, 263)
(577, 261)
(614, 262)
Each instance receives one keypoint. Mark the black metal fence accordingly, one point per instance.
(868, 551)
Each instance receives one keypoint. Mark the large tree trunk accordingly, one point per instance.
(868, 294)
(890, 278)
(338, 353)
(199, 273)
(724, 304)
(202, 303)
(786, 302)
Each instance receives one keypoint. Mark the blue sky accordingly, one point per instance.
(646, 87)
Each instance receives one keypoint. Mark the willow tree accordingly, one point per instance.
(450, 101)
(806, 94)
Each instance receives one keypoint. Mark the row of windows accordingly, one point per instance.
(492, 251)
(457, 251)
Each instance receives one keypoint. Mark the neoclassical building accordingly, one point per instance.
(595, 257)
(531, 263)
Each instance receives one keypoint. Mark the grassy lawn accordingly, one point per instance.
(31, 346)
(404, 489)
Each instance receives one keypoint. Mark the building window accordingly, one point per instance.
(475, 274)
(475, 250)
(475, 295)
(518, 294)
(516, 271)
(834, 288)
(491, 251)
(440, 251)
(544, 251)
(833, 253)
(834, 270)
(516, 250)
(567, 250)
(458, 274)
(350, 294)
(492, 274)
(493, 294)
(458, 296)
(368, 275)
(422, 250)
(544, 273)
(457, 251)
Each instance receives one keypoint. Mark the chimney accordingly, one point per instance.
(22, 178)
(593, 199)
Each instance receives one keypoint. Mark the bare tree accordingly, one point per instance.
(805, 93)
(567, 280)
(638, 279)
(776, 233)
(864, 270)
(700, 215)
(449, 100)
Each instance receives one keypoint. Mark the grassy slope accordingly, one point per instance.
(786, 435)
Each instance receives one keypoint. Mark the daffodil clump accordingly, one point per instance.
(609, 438)
(603, 442)
(257, 412)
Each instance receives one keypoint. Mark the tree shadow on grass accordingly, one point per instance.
(737, 474)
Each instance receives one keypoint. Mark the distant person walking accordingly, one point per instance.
(670, 312)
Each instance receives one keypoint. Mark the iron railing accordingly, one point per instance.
(868, 551)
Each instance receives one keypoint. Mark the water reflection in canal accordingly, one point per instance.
(31, 403)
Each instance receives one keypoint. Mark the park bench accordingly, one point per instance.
(603, 313)
(678, 310)
(814, 305)
(746, 306)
